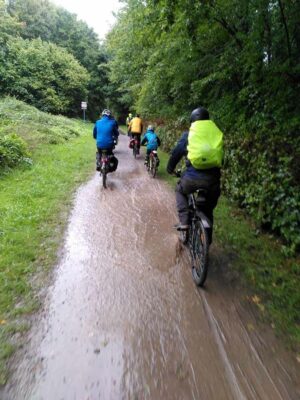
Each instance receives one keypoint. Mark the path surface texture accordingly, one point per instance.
(123, 319)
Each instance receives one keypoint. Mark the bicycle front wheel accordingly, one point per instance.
(199, 252)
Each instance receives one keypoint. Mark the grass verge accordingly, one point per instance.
(273, 278)
(33, 211)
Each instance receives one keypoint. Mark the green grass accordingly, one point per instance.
(272, 278)
(34, 126)
(34, 205)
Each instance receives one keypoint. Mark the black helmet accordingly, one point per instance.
(199, 113)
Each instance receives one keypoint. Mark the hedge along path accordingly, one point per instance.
(33, 213)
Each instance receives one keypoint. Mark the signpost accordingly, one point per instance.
(84, 107)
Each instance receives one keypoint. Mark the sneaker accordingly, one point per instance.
(181, 227)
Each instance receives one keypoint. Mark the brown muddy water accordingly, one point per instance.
(124, 320)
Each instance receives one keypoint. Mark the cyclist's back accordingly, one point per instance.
(105, 131)
(136, 129)
(136, 125)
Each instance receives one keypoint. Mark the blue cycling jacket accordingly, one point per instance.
(105, 131)
(152, 140)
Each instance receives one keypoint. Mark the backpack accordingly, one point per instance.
(205, 145)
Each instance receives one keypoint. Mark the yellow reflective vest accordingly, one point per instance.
(136, 125)
(205, 145)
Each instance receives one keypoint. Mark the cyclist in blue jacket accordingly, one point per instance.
(151, 140)
(106, 133)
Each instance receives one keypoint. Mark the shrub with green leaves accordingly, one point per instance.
(43, 74)
(13, 151)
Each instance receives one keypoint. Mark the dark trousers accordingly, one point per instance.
(137, 136)
(147, 154)
(188, 185)
(109, 152)
(99, 154)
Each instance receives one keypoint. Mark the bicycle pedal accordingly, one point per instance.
(180, 227)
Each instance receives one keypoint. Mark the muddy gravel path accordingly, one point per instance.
(123, 319)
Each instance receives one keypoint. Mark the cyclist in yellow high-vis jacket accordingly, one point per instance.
(202, 146)
(136, 129)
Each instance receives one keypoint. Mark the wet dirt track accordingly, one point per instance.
(123, 319)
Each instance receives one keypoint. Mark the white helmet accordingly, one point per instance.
(106, 112)
(150, 128)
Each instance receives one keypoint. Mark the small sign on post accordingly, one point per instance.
(83, 107)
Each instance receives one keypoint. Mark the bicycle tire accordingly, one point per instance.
(199, 252)
(104, 178)
(154, 163)
(150, 163)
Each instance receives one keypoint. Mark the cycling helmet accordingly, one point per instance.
(150, 128)
(106, 112)
(199, 113)
(130, 115)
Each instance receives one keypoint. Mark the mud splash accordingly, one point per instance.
(123, 319)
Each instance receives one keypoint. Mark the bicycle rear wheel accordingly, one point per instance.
(104, 178)
(154, 167)
(134, 150)
(199, 252)
(104, 175)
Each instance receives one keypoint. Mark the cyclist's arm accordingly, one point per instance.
(178, 152)
(144, 141)
(158, 141)
(116, 130)
(95, 132)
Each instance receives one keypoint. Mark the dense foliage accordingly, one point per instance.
(44, 75)
(76, 43)
(240, 59)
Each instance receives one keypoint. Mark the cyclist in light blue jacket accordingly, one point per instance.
(151, 140)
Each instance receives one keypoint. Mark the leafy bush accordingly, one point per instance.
(260, 177)
(44, 75)
(13, 151)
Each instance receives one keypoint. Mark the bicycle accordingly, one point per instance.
(153, 163)
(197, 236)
